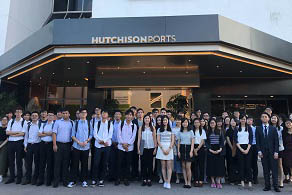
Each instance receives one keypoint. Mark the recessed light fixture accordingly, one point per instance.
(240, 71)
(87, 62)
(245, 96)
(118, 67)
(218, 96)
(53, 73)
(144, 72)
(40, 78)
(189, 60)
(68, 81)
(187, 72)
(217, 66)
(75, 84)
(86, 79)
(69, 68)
(138, 61)
(102, 73)
(271, 96)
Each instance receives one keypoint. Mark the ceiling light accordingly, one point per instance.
(40, 78)
(53, 73)
(271, 96)
(87, 62)
(138, 61)
(218, 96)
(86, 79)
(144, 72)
(69, 68)
(189, 60)
(217, 66)
(240, 71)
(187, 72)
(245, 96)
(68, 81)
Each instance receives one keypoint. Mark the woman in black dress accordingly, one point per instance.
(215, 160)
(287, 141)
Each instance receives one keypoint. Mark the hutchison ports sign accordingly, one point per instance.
(134, 39)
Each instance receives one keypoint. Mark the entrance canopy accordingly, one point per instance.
(172, 51)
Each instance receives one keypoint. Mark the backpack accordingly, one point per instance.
(108, 126)
(122, 125)
(76, 127)
(30, 123)
(13, 120)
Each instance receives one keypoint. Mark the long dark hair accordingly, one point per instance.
(158, 126)
(200, 127)
(278, 121)
(246, 126)
(162, 125)
(182, 121)
(150, 123)
(216, 130)
(224, 124)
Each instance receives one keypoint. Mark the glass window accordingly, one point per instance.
(60, 5)
(87, 5)
(75, 5)
(73, 92)
(231, 105)
(217, 107)
(155, 100)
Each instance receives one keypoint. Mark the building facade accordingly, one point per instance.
(221, 55)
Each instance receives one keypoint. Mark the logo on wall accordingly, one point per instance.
(134, 39)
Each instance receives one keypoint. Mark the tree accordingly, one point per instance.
(177, 102)
(111, 105)
(8, 102)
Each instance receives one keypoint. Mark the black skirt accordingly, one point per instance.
(215, 163)
(185, 153)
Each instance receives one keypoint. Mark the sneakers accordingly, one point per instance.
(126, 182)
(213, 185)
(167, 186)
(101, 184)
(219, 186)
(164, 184)
(84, 184)
(1, 178)
(177, 181)
(160, 181)
(71, 184)
(93, 183)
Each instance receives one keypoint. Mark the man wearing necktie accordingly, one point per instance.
(267, 142)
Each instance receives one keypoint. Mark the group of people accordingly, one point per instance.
(201, 147)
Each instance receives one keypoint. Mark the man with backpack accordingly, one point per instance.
(15, 132)
(81, 136)
(32, 148)
(46, 150)
(62, 132)
(126, 138)
(102, 132)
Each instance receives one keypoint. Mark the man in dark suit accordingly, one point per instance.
(267, 142)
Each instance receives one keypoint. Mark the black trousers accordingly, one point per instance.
(113, 162)
(254, 162)
(62, 161)
(79, 156)
(46, 161)
(270, 164)
(15, 151)
(92, 149)
(32, 156)
(244, 161)
(135, 161)
(232, 165)
(198, 165)
(101, 157)
(124, 158)
(147, 164)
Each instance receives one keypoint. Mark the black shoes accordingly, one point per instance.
(126, 182)
(39, 183)
(117, 182)
(277, 189)
(144, 183)
(26, 182)
(266, 189)
(149, 183)
(18, 181)
(9, 181)
(55, 185)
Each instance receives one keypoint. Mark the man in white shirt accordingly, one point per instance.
(32, 148)
(46, 150)
(15, 132)
(126, 139)
(102, 132)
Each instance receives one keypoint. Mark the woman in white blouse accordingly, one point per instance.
(147, 146)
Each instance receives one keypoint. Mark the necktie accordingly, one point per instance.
(266, 131)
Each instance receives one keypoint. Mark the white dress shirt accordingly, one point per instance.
(31, 136)
(17, 126)
(103, 134)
